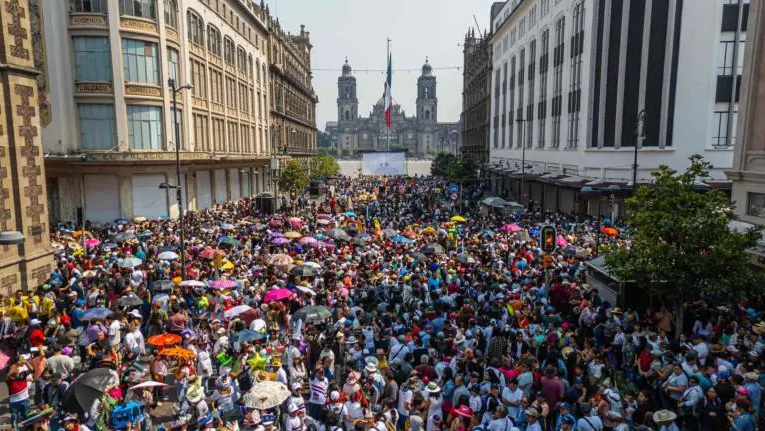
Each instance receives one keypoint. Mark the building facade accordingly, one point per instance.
(420, 135)
(22, 173)
(748, 172)
(577, 85)
(293, 100)
(109, 133)
(476, 87)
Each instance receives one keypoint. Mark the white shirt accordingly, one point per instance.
(318, 391)
(204, 364)
(512, 397)
(583, 425)
(353, 411)
(404, 397)
(114, 333)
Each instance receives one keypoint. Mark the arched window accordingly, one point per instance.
(88, 6)
(196, 28)
(249, 68)
(171, 13)
(241, 58)
(228, 50)
(213, 40)
(257, 68)
(427, 114)
(139, 8)
(347, 115)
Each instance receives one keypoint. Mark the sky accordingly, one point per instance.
(359, 29)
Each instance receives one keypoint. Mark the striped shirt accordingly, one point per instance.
(319, 391)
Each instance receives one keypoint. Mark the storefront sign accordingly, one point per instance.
(142, 90)
(137, 24)
(92, 87)
(87, 20)
(146, 156)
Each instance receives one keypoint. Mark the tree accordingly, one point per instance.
(323, 139)
(443, 165)
(682, 248)
(293, 177)
(324, 166)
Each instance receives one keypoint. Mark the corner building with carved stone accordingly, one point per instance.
(109, 131)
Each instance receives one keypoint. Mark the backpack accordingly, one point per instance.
(331, 417)
(244, 379)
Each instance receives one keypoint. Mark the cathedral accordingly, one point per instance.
(420, 135)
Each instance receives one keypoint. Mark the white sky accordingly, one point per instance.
(358, 29)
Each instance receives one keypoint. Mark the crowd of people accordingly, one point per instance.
(385, 305)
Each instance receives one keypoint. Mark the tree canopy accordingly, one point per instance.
(294, 176)
(324, 166)
(682, 248)
(451, 167)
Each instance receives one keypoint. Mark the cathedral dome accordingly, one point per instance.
(347, 68)
(427, 70)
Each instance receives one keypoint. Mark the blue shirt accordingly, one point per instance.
(745, 422)
(755, 395)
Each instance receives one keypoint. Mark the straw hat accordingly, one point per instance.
(663, 416)
(433, 388)
(759, 328)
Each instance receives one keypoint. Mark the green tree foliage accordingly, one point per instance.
(294, 177)
(323, 140)
(682, 249)
(324, 166)
(451, 167)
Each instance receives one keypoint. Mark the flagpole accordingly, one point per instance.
(387, 130)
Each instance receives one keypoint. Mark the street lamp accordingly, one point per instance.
(171, 83)
(609, 191)
(639, 133)
(520, 121)
(11, 237)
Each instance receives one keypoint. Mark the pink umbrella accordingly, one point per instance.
(277, 295)
(560, 241)
(324, 216)
(147, 384)
(275, 223)
(223, 284)
(93, 242)
(323, 244)
(307, 240)
(280, 240)
(296, 222)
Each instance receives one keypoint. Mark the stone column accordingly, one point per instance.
(23, 202)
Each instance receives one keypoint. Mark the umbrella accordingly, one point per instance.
(511, 228)
(610, 231)
(314, 314)
(337, 234)
(93, 242)
(193, 283)
(121, 221)
(124, 236)
(466, 258)
(569, 251)
(296, 222)
(168, 248)
(306, 290)
(168, 255)
(209, 253)
(292, 235)
(458, 219)
(277, 295)
(247, 335)
(89, 273)
(534, 231)
(223, 283)
(280, 240)
(148, 384)
(433, 248)
(274, 222)
(403, 239)
(97, 313)
(88, 388)
(280, 259)
(313, 265)
(419, 257)
(324, 216)
(164, 340)
(323, 221)
(109, 244)
(350, 214)
(303, 271)
(307, 240)
(145, 234)
(323, 244)
(130, 262)
(227, 226)
(235, 311)
(178, 353)
(225, 265)
(226, 240)
(560, 241)
(389, 232)
(265, 395)
(358, 241)
(162, 285)
(129, 301)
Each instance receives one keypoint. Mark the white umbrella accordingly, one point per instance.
(193, 283)
(168, 255)
(227, 226)
(147, 384)
(305, 289)
(312, 265)
(235, 311)
(258, 325)
(266, 395)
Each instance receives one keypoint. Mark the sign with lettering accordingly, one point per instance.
(138, 24)
(94, 87)
(154, 155)
(142, 90)
(87, 20)
(170, 33)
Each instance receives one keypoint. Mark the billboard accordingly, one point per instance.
(383, 163)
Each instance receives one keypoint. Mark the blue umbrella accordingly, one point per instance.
(121, 221)
(350, 214)
(96, 313)
(146, 234)
(247, 335)
(534, 231)
(130, 262)
(403, 239)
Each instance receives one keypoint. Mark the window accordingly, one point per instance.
(174, 125)
(530, 108)
(199, 79)
(201, 140)
(145, 127)
(140, 61)
(216, 86)
(196, 28)
(519, 114)
(503, 121)
(545, 8)
(756, 204)
(173, 66)
(720, 128)
(257, 68)
(231, 93)
(88, 6)
(557, 99)
(218, 124)
(228, 51)
(497, 81)
(139, 8)
(241, 59)
(213, 40)
(575, 92)
(97, 127)
(725, 57)
(92, 58)
(511, 113)
(171, 13)
(542, 105)
(233, 137)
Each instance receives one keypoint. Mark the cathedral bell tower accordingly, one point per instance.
(347, 103)
(427, 103)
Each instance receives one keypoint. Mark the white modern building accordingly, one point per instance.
(575, 80)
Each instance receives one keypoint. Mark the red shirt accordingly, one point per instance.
(37, 338)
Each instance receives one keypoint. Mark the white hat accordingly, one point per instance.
(292, 408)
(34, 322)
(334, 395)
(137, 314)
(295, 386)
(372, 368)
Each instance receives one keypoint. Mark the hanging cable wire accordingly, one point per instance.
(418, 69)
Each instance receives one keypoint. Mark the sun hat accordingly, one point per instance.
(433, 388)
(532, 412)
(662, 416)
(371, 368)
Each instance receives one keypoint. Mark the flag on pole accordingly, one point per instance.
(388, 92)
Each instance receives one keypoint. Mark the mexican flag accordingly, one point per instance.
(388, 92)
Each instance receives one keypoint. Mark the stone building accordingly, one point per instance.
(420, 134)
(293, 100)
(22, 174)
(109, 133)
(476, 87)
